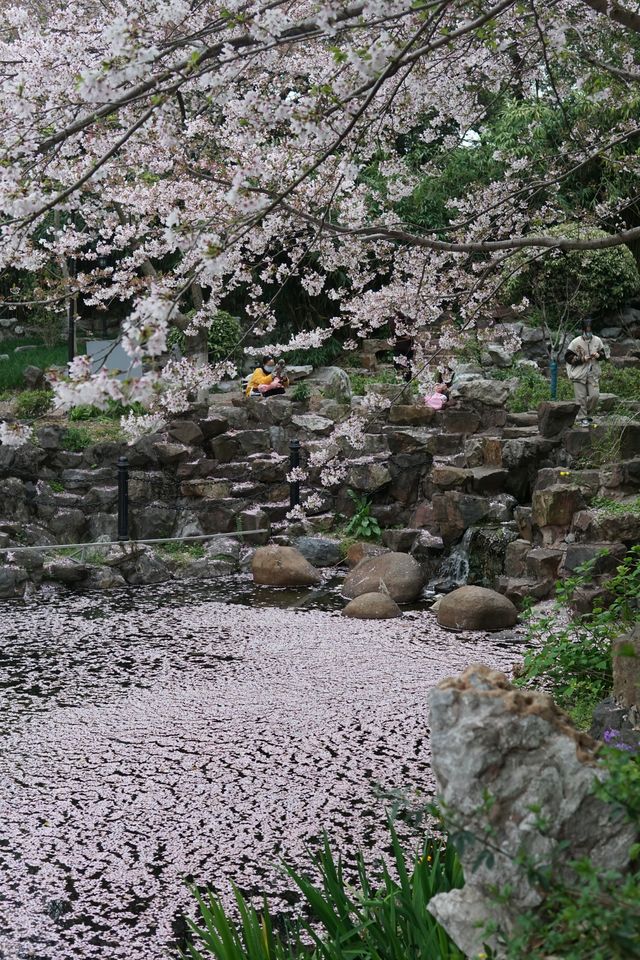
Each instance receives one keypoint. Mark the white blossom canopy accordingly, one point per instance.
(202, 146)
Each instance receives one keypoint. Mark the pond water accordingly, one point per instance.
(155, 736)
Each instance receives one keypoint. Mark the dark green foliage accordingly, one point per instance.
(579, 282)
(362, 525)
(381, 917)
(574, 661)
(223, 338)
(33, 403)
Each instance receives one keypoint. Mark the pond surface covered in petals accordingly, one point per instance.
(156, 736)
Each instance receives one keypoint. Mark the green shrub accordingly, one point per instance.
(321, 356)
(84, 412)
(383, 917)
(582, 282)
(301, 392)
(362, 525)
(223, 338)
(76, 439)
(574, 661)
(33, 403)
(361, 380)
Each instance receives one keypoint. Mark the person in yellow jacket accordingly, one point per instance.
(263, 383)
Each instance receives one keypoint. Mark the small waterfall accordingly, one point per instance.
(454, 569)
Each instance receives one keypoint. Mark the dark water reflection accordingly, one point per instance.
(157, 734)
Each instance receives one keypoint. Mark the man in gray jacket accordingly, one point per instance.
(583, 369)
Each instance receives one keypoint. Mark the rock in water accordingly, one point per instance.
(476, 608)
(372, 606)
(283, 567)
(397, 573)
(517, 779)
(320, 551)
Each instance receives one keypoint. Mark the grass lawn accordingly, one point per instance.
(11, 370)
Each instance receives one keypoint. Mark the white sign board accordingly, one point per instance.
(110, 354)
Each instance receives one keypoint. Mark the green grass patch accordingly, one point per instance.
(12, 370)
(616, 508)
(623, 381)
(182, 552)
(533, 388)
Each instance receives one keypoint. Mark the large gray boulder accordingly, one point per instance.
(489, 740)
(320, 551)
(476, 608)
(372, 606)
(493, 393)
(556, 416)
(333, 383)
(283, 567)
(397, 574)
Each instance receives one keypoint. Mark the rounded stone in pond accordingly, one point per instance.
(476, 608)
(372, 606)
(283, 567)
(397, 573)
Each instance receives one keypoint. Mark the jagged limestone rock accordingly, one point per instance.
(516, 779)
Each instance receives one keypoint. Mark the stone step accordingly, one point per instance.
(513, 433)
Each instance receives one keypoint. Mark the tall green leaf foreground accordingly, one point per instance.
(382, 915)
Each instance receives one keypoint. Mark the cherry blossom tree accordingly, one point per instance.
(200, 148)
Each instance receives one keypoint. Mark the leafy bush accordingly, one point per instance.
(574, 661)
(381, 919)
(33, 403)
(362, 524)
(84, 412)
(223, 338)
(301, 392)
(584, 282)
(76, 439)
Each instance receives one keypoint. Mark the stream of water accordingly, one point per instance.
(155, 736)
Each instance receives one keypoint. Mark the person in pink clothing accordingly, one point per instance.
(439, 398)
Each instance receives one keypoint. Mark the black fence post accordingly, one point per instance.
(294, 485)
(123, 498)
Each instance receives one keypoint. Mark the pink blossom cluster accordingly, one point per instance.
(184, 153)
